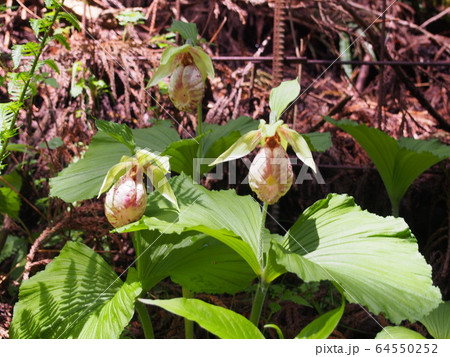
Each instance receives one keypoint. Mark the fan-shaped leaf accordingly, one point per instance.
(195, 261)
(374, 259)
(83, 179)
(438, 321)
(78, 295)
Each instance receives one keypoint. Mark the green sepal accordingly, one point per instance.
(114, 174)
(157, 176)
(299, 145)
(243, 146)
(202, 61)
(146, 159)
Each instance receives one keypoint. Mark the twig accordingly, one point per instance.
(35, 247)
(436, 17)
(372, 37)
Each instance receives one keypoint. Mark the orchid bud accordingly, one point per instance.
(186, 87)
(126, 201)
(271, 174)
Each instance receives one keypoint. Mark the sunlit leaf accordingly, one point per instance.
(398, 332)
(374, 259)
(219, 321)
(232, 219)
(83, 179)
(78, 295)
(195, 261)
(121, 132)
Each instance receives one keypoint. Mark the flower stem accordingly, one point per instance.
(144, 317)
(258, 302)
(261, 290)
(188, 324)
(395, 208)
(260, 241)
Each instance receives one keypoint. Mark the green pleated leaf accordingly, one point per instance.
(82, 179)
(438, 321)
(121, 132)
(399, 162)
(78, 295)
(195, 261)
(219, 321)
(232, 219)
(374, 259)
(398, 332)
(318, 141)
(215, 140)
(323, 326)
(187, 30)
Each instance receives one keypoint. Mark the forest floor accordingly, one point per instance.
(111, 70)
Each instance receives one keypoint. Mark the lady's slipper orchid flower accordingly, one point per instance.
(271, 175)
(127, 199)
(188, 66)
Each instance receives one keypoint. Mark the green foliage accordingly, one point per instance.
(9, 202)
(374, 259)
(83, 179)
(232, 219)
(23, 84)
(438, 321)
(398, 332)
(78, 295)
(120, 132)
(323, 326)
(215, 140)
(221, 322)
(130, 17)
(281, 97)
(193, 260)
(187, 30)
(399, 162)
(14, 246)
(334, 239)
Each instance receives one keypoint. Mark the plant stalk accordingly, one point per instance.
(260, 242)
(395, 208)
(198, 133)
(261, 290)
(144, 318)
(27, 83)
(258, 302)
(188, 324)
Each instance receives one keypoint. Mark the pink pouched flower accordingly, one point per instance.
(126, 201)
(186, 87)
(271, 175)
